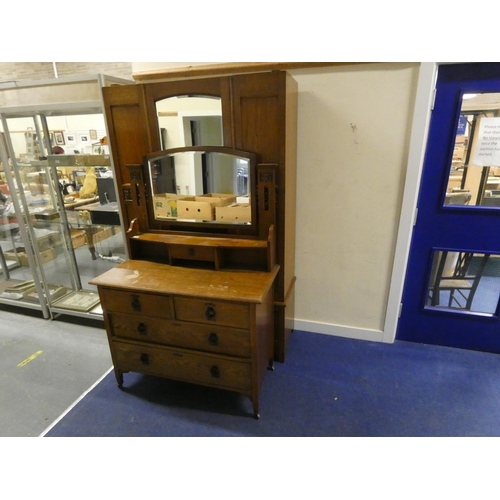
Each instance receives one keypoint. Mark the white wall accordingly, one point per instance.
(74, 126)
(354, 126)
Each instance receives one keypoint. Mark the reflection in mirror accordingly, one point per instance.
(474, 178)
(464, 281)
(189, 121)
(201, 185)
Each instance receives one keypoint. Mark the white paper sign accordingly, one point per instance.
(487, 151)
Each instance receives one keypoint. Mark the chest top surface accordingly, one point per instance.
(150, 277)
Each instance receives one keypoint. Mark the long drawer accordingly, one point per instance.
(209, 338)
(181, 365)
(160, 306)
(212, 312)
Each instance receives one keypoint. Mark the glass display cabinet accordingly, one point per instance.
(59, 220)
(19, 281)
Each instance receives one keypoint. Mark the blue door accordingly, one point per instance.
(452, 286)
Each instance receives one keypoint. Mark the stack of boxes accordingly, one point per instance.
(208, 207)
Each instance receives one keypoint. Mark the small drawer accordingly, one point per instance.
(212, 312)
(160, 306)
(188, 252)
(182, 365)
(207, 338)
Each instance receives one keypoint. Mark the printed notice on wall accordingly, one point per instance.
(487, 151)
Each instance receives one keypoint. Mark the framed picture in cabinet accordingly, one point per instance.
(59, 138)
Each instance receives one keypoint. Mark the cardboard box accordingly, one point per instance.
(219, 196)
(165, 205)
(189, 208)
(101, 233)
(202, 207)
(77, 237)
(11, 254)
(46, 238)
(235, 212)
(45, 255)
(243, 199)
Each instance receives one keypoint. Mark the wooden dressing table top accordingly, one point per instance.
(143, 276)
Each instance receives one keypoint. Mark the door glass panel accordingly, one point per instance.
(464, 282)
(474, 178)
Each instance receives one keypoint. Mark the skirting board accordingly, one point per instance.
(339, 330)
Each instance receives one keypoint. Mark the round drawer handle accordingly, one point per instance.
(213, 339)
(214, 371)
(210, 313)
(191, 252)
(142, 329)
(136, 303)
(144, 359)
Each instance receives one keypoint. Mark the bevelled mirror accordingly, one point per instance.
(189, 121)
(210, 185)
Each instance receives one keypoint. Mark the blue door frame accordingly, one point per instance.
(440, 227)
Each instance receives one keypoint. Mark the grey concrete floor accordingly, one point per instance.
(45, 366)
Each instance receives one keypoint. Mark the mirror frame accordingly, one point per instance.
(209, 227)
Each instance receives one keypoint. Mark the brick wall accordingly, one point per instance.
(13, 71)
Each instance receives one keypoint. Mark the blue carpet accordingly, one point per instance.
(328, 386)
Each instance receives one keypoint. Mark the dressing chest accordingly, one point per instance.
(205, 327)
(207, 203)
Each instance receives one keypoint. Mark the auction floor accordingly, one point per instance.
(45, 366)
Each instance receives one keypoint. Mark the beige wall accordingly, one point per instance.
(354, 126)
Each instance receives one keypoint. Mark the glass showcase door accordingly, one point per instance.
(58, 232)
